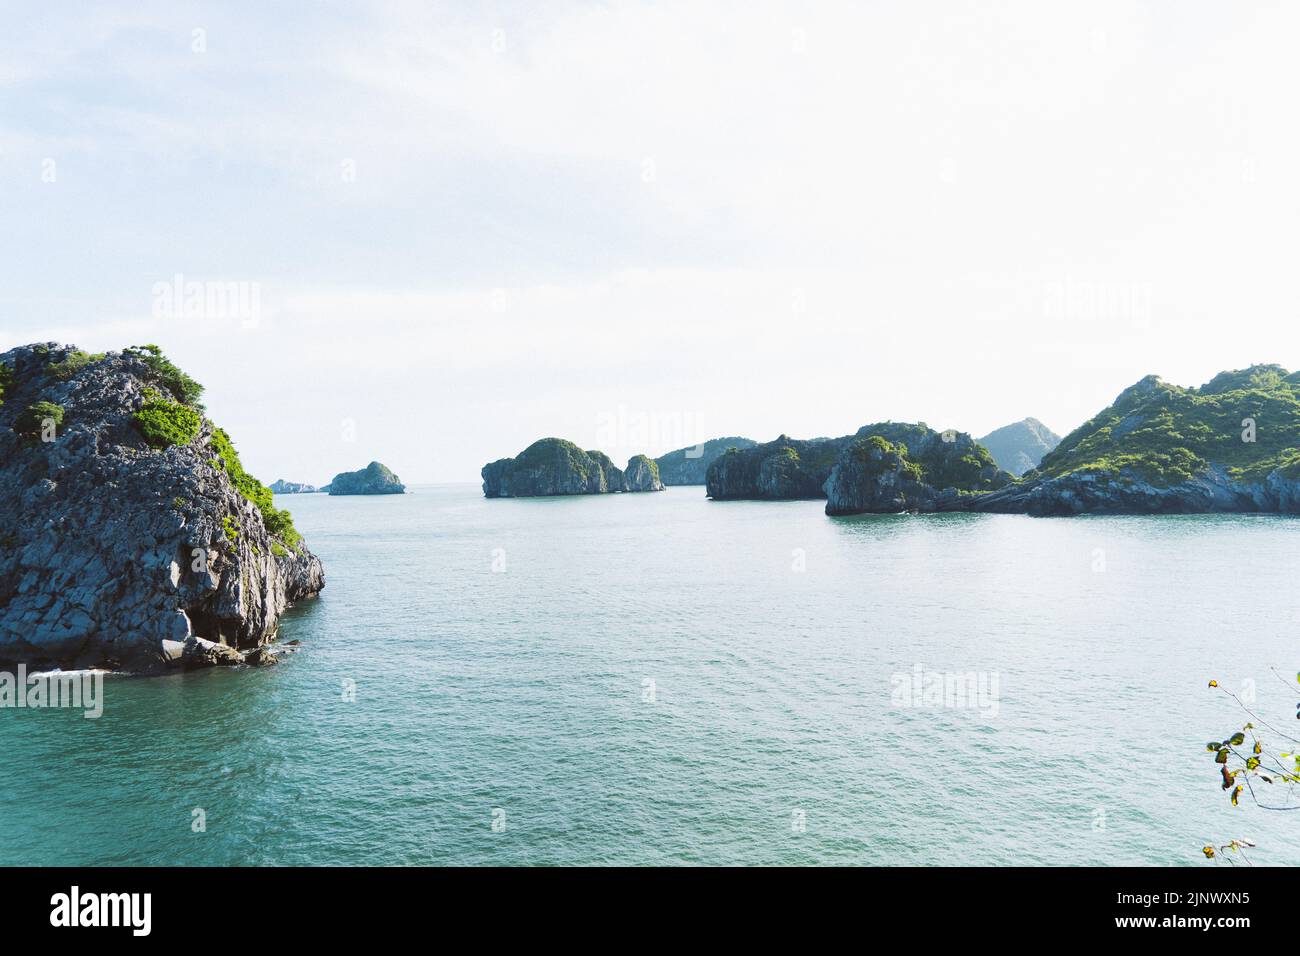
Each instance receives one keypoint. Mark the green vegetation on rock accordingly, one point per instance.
(72, 363)
(164, 423)
(278, 522)
(168, 375)
(1164, 434)
(33, 417)
(554, 466)
(799, 468)
(6, 380)
(375, 479)
(556, 454)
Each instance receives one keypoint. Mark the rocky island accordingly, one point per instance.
(893, 467)
(131, 537)
(1232, 445)
(282, 487)
(843, 470)
(374, 479)
(553, 466)
(690, 465)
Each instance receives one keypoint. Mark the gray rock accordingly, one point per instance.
(641, 474)
(113, 551)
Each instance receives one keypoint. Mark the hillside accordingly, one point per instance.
(1231, 445)
(690, 465)
(790, 468)
(1020, 446)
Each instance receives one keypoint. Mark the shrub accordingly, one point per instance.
(278, 523)
(182, 387)
(165, 423)
(33, 418)
(71, 364)
(6, 379)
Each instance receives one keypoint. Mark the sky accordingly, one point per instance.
(430, 234)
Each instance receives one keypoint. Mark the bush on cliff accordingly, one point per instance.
(278, 523)
(167, 374)
(33, 418)
(73, 363)
(164, 423)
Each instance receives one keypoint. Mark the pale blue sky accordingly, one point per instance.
(641, 225)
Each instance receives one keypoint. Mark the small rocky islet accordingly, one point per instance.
(555, 466)
(282, 487)
(374, 479)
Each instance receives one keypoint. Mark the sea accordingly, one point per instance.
(660, 679)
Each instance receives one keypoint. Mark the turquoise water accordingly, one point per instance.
(772, 732)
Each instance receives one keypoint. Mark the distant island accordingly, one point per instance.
(554, 466)
(374, 479)
(690, 465)
(889, 466)
(131, 537)
(1021, 446)
(1231, 445)
(282, 487)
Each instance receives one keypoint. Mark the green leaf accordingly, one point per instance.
(1237, 739)
(1221, 757)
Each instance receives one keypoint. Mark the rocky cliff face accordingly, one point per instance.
(928, 471)
(787, 468)
(130, 535)
(374, 479)
(1019, 447)
(690, 466)
(609, 477)
(642, 474)
(553, 466)
(1127, 492)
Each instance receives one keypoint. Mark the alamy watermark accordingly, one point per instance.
(210, 300)
(650, 428)
(947, 689)
(81, 690)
